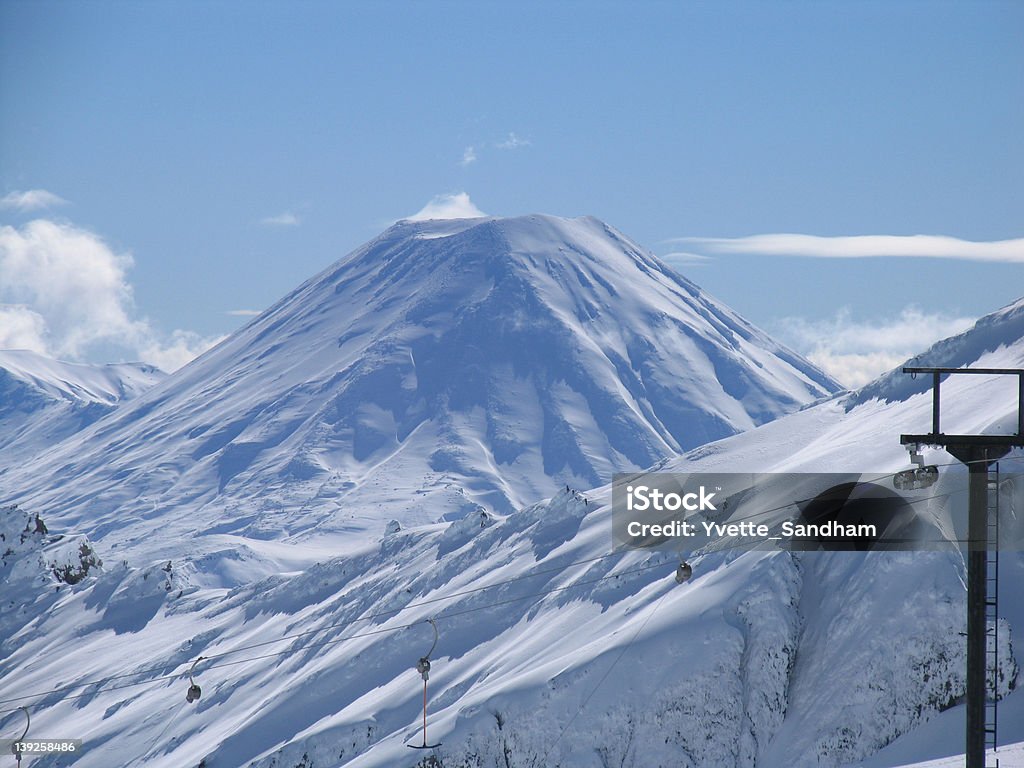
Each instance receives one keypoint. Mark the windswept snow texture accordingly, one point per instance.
(43, 401)
(444, 367)
(552, 652)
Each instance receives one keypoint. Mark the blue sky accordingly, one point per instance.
(234, 149)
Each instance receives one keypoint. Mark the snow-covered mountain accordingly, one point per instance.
(552, 651)
(43, 401)
(831, 434)
(442, 368)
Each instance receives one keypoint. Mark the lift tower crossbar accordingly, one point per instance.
(979, 453)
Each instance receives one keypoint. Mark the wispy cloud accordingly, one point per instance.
(864, 246)
(455, 205)
(65, 292)
(472, 153)
(468, 156)
(685, 259)
(30, 200)
(855, 352)
(513, 142)
(242, 312)
(286, 219)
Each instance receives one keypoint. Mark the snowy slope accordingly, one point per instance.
(442, 368)
(43, 401)
(940, 742)
(766, 659)
(1010, 756)
(860, 432)
(833, 434)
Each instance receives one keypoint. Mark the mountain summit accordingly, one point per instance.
(446, 366)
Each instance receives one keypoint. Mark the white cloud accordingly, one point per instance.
(685, 259)
(513, 142)
(865, 246)
(30, 200)
(286, 219)
(468, 156)
(64, 292)
(21, 328)
(242, 312)
(855, 352)
(456, 205)
(171, 353)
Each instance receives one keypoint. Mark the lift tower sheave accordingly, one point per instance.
(979, 453)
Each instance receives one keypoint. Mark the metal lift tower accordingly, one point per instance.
(979, 453)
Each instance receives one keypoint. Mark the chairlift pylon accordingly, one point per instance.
(423, 667)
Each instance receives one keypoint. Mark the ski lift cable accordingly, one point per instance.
(416, 604)
(73, 697)
(382, 614)
(393, 611)
(875, 479)
(289, 651)
(756, 541)
(453, 614)
(325, 628)
(177, 676)
(175, 665)
(163, 731)
(889, 475)
(320, 644)
(439, 617)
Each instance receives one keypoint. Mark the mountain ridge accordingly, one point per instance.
(44, 401)
(442, 368)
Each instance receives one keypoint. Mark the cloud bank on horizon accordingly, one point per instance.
(855, 352)
(65, 293)
(864, 246)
